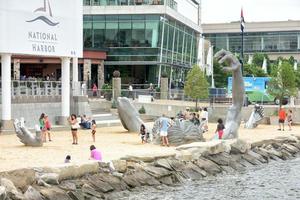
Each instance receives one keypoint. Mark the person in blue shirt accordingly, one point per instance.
(164, 126)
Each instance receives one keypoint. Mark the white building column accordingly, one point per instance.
(75, 69)
(6, 86)
(65, 88)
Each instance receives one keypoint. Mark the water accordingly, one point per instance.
(276, 180)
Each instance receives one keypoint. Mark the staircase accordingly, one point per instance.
(101, 113)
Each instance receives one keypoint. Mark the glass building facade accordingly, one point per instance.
(257, 41)
(138, 44)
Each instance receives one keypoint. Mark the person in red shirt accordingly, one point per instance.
(282, 116)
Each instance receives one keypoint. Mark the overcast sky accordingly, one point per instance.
(215, 11)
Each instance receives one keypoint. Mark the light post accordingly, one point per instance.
(163, 20)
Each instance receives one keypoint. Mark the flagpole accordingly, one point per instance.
(242, 53)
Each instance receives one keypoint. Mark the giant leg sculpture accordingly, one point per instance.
(233, 119)
(26, 137)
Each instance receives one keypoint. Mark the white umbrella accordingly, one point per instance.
(295, 66)
(264, 66)
(209, 60)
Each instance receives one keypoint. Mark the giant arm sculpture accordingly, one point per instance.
(26, 137)
(233, 118)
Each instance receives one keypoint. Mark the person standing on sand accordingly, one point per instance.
(220, 129)
(95, 89)
(281, 116)
(48, 127)
(290, 119)
(94, 126)
(164, 126)
(42, 126)
(95, 153)
(74, 128)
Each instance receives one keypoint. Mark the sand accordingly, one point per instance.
(114, 142)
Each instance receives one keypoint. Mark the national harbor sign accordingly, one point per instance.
(41, 27)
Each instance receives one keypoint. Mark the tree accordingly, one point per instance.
(283, 82)
(196, 85)
(253, 70)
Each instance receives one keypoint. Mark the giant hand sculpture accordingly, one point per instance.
(26, 137)
(233, 119)
(128, 115)
(181, 132)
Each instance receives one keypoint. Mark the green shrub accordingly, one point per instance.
(142, 110)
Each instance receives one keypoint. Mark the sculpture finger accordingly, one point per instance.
(227, 57)
(220, 54)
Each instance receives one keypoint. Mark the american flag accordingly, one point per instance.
(242, 21)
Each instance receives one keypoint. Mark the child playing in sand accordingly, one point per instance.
(48, 127)
(143, 134)
(220, 129)
(95, 153)
(68, 159)
(94, 126)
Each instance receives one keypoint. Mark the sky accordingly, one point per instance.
(218, 11)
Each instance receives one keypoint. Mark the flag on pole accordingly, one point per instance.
(264, 66)
(295, 65)
(242, 21)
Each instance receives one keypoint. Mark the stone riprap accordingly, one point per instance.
(98, 180)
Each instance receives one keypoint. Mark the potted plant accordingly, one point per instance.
(107, 91)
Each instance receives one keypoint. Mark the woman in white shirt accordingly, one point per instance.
(204, 119)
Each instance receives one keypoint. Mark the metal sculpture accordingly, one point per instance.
(180, 132)
(256, 116)
(128, 115)
(26, 137)
(233, 118)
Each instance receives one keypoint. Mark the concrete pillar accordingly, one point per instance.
(16, 69)
(6, 91)
(116, 84)
(65, 91)
(76, 86)
(101, 75)
(75, 69)
(164, 88)
(87, 64)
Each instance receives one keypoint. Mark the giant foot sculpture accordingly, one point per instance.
(26, 137)
(181, 132)
(233, 119)
(128, 115)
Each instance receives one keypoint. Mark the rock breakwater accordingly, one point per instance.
(102, 181)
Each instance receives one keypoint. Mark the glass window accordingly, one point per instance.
(125, 33)
(151, 34)
(138, 34)
(111, 34)
(99, 34)
(86, 2)
(87, 34)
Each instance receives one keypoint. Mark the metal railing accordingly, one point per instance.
(36, 88)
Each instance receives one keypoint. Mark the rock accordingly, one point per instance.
(285, 154)
(11, 190)
(228, 169)
(193, 172)
(21, 177)
(251, 159)
(220, 159)
(140, 177)
(167, 180)
(54, 193)
(290, 148)
(117, 174)
(274, 152)
(206, 148)
(67, 185)
(270, 153)
(99, 185)
(32, 194)
(157, 172)
(207, 165)
(120, 165)
(117, 183)
(297, 145)
(150, 157)
(72, 171)
(50, 178)
(239, 146)
(184, 155)
(257, 156)
(76, 195)
(176, 165)
(91, 191)
(163, 163)
(2, 193)
(264, 154)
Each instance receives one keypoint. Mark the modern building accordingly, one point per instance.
(277, 38)
(144, 38)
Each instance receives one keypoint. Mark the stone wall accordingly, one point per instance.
(113, 180)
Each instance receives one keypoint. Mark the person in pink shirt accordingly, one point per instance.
(95, 153)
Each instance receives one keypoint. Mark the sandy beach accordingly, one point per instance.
(114, 142)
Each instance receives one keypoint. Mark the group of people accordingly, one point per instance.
(45, 127)
(197, 118)
(285, 116)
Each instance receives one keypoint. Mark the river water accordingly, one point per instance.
(276, 180)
